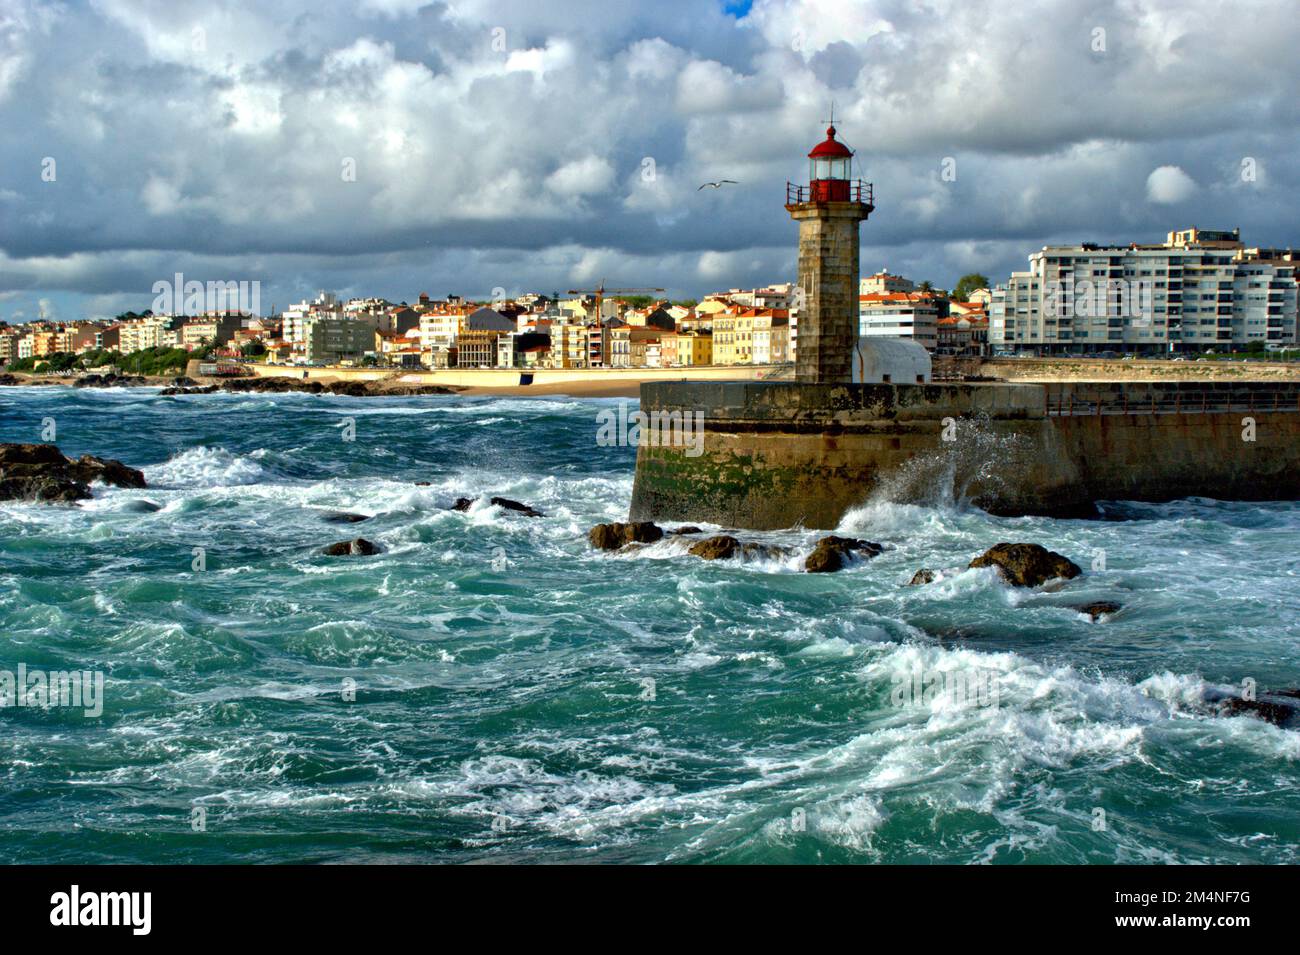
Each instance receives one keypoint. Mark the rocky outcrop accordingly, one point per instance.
(277, 385)
(353, 548)
(1027, 565)
(725, 547)
(7, 379)
(465, 503)
(688, 529)
(404, 390)
(923, 576)
(718, 547)
(40, 472)
(833, 553)
(1279, 707)
(109, 380)
(343, 517)
(614, 536)
(349, 387)
(1098, 609)
(188, 390)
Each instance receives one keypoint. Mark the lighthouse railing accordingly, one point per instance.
(857, 191)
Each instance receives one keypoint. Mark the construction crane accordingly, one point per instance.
(600, 294)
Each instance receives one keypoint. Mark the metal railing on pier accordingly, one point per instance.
(1132, 398)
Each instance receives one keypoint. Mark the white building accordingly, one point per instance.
(294, 318)
(1199, 289)
(899, 315)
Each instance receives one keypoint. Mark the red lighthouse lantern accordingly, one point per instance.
(829, 166)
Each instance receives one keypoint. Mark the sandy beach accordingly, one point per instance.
(621, 388)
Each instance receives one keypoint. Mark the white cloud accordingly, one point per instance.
(1170, 185)
(472, 161)
(582, 177)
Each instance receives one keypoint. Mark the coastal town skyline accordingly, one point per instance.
(351, 156)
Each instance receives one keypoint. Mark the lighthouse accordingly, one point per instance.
(828, 211)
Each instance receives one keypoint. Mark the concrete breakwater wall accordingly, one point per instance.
(778, 454)
(511, 377)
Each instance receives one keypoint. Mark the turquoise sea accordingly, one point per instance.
(519, 697)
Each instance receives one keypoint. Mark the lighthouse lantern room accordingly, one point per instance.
(829, 166)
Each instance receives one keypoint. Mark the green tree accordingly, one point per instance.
(968, 284)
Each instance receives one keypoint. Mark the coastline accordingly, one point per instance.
(627, 382)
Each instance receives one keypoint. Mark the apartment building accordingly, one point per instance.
(1198, 289)
(142, 333)
(733, 336)
(334, 338)
(771, 336)
(694, 348)
(899, 315)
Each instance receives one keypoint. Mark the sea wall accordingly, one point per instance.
(510, 377)
(1113, 369)
(777, 454)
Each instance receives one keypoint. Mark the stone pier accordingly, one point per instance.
(780, 454)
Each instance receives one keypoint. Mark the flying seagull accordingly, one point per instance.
(718, 184)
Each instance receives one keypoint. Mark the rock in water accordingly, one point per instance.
(40, 472)
(343, 517)
(188, 390)
(1279, 712)
(614, 536)
(509, 505)
(465, 503)
(720, 547)
(272, 385)
(108, 381)
(832, 553)
(90, 469)
(1027, 565)
(688, 529)
(1098, 609)
(353, 548)
(923, 576)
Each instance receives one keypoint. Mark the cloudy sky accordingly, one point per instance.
(391, 147)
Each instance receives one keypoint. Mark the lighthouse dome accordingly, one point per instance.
(830, 147)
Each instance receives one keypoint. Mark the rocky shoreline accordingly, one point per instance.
(41, 472)
(183, 385)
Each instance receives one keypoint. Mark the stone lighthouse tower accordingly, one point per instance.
(828, 211)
